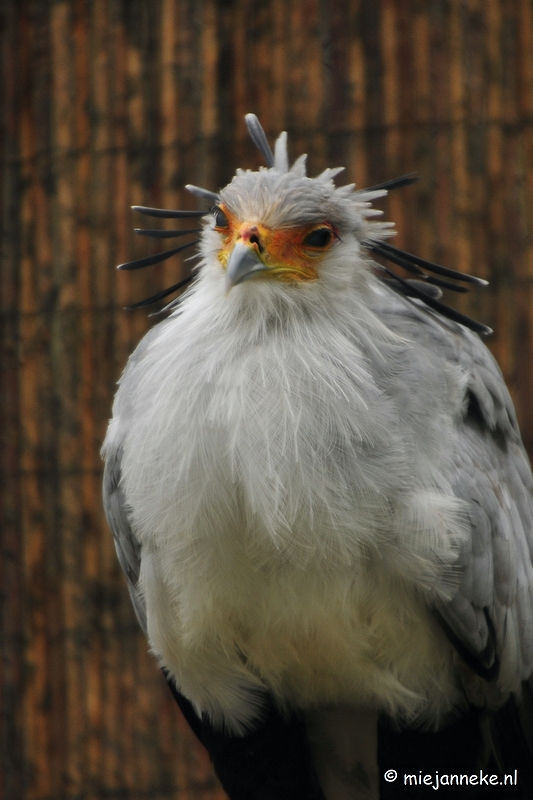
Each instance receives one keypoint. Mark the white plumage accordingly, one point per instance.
(301, 472)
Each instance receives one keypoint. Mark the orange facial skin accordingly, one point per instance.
(283, 251)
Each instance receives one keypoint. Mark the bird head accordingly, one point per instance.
(252, 249)
(279, 226)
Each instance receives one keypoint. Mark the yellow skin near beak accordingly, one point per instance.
(282, 252)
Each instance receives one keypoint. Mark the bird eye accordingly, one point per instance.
(221, 220)
(320, 237)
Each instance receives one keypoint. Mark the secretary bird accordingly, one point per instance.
(322, 505)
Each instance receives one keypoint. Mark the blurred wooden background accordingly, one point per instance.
(107, 103)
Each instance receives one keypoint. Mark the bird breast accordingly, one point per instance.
(267, 487)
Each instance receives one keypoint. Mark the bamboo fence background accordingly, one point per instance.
(108, 103)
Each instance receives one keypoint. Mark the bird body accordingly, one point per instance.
(317, 487)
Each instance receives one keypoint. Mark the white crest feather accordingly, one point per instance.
(281, 156)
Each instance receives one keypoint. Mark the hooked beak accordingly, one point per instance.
(243, 264)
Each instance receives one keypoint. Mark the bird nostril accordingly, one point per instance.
(255, 240)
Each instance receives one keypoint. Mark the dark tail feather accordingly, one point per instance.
(414, 754)
(480, 743)
(511, 736)
(272, 762)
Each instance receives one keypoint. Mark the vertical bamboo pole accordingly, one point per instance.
(12, 755)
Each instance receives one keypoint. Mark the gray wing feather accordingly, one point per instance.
(126, 545)
(492, 612)
(494, 479)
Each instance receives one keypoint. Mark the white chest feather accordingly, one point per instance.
(279, 507)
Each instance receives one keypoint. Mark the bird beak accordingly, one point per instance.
(243, 264)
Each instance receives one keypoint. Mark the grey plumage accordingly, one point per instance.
(316, 485)
(492, 476)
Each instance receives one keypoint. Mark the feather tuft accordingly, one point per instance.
(298, 168)
(140, 263)
(329, 174)
(281, 155)
(258, 137)
(404, 259)
(395, 183)
(159, 296)
(411, 290)
(203, 194)
(167, 213)
(161, 234)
